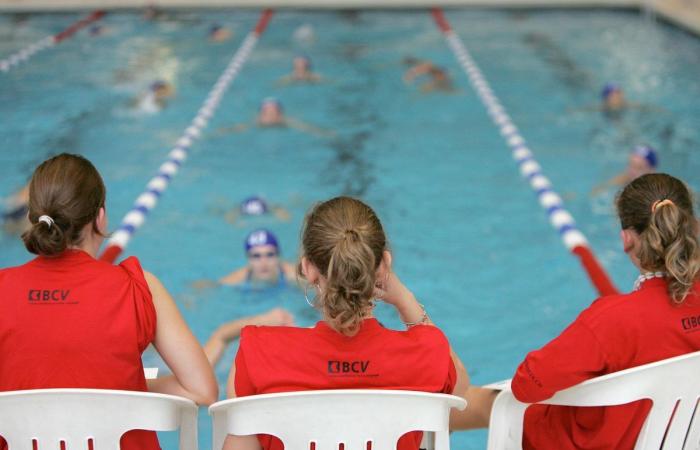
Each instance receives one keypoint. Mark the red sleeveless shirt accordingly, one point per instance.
(72, 321)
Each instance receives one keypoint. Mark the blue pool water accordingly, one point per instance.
(468, 235)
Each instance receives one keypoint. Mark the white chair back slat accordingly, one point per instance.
(352, 417)
(666, 383)
(76, 415)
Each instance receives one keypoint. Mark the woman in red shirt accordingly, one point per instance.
(345, 259)
(71, 321)
(617, 332)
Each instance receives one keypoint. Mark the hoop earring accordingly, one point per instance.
(306, 296)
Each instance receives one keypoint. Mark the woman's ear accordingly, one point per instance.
(309, 270)
(629, 240)
(384, 266)
(101, 221)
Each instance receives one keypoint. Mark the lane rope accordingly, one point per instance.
(145, 202)
(551, 202)
(24, 54)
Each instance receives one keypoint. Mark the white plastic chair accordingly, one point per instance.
(667, 383)
(74, 416)
(327, 418)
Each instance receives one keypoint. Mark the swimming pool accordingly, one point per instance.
(468, 235)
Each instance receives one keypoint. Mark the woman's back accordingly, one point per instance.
(282, 359)
(74, 321)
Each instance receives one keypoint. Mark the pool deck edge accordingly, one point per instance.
(683, 13)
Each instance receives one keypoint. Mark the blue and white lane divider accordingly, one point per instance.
(552, 203)
(26, 53)
(49, 41)
(158, 184)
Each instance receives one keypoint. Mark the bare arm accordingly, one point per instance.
(238, 442)
(238, 276)
(308, 128)
(229, 331)
(192, 377)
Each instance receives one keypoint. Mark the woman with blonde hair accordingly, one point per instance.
(656, 321)
(345, 259)
(71, 321)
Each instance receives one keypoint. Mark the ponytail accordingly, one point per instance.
(345, 240)
(659, 208)
(670, 243)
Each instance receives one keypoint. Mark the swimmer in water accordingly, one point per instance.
(219, 33)
(642, 160)
(14, 218)
(97, 30)
(271, 115)
(614, 103)
(157, 96)
(226, 333)
(152, 13)
(255, 207)
(301, 72)
(439, 79)
(264, 268)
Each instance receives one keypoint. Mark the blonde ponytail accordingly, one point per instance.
(344, 239)
(659, 208)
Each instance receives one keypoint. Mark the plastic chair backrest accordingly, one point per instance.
(74, 416)
(327, 418)
(673, 385)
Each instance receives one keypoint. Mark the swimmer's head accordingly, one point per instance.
(158, 85)
(214, 29)
(608, 90)
(271, 103)
(253, 206)
(642, 160)
(411, 61)
(262, 251)
(612, 96)
(302, 63)
(260, 238)
(95, 30)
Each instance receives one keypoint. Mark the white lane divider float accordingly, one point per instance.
(157, 185)
(550, 201)
(47, 42)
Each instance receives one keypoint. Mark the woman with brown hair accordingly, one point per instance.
(345, 259)
(70, 320)
(656, 321)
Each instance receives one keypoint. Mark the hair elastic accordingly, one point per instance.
(47, 220)
(659, 203)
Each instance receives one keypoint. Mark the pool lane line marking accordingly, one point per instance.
(47, 42)
(156, 186)
(551, 202)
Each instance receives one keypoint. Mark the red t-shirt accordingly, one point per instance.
(615, 333)
(72, 321)
(282, 359)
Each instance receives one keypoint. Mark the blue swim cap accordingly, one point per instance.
(609, 89)
(253, 206)
(272, 100)
(260, 237)
(214, 28)
(648, 153)
(158, 84)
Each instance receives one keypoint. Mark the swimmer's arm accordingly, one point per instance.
(236, 277)
(229, 331)
(237, 128)
(290, 272)
(618, 180)
(416, 71)
(192, 377)
(308, 128)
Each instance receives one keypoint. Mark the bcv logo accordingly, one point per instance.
(347, 367)
(49, 296)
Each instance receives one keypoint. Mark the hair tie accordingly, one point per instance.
(659, 203)
(47, 220)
